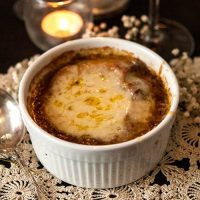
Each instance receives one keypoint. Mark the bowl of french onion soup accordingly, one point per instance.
(99, 111)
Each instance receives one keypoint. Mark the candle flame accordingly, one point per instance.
(62, 23)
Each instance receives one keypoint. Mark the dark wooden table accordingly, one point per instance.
(15, 44)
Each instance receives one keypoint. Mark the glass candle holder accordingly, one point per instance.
(108, 8)
(52, 22)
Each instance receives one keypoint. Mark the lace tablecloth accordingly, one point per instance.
(176, 177)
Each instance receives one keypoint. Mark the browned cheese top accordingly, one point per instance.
(97, 96)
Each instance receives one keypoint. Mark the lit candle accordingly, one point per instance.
(62, 24)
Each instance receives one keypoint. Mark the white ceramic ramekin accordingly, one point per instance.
(109, 165)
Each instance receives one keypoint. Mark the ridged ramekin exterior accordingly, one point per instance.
(102, 169)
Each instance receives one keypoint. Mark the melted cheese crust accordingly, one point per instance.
(89, 98)
(97, 96)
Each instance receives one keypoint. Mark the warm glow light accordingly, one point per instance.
(62, 23)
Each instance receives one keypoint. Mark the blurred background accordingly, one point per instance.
(15, 44)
